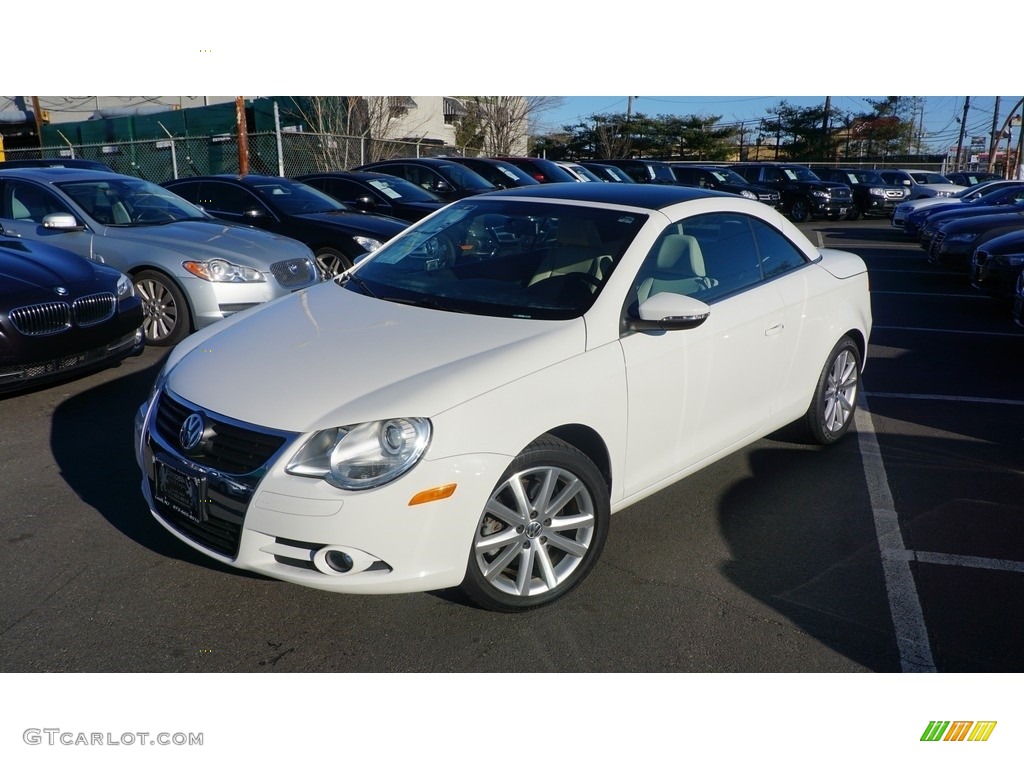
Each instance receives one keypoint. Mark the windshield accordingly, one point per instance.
(930, 178)
(293, 198)
(796, 173)
(129, 202)
(727, 176)
(399, 189)
(464, 178)
(504, 258)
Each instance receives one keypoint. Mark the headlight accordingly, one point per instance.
(363, 456)
(125, 288)
(961, 237)
(943, 194)
(748, 194)
(1013, 259)
(819, 193)
(876, 191)
(220, 271)
(368, 243)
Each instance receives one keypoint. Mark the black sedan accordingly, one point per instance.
(606, 172)
(954, 243)
(336, 234)
(723, 180)
(448, 180)
(372, 192)
(1003, 194)
(932, 225)
(997, 264)
(61, 314)
(501, 174)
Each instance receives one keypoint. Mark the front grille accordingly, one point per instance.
(42, 319)
(226, 447)
(933, 250)
(293, 272)
(841, 194)
(895, 194)
(221, 528)
(95, 309)
(61, 365)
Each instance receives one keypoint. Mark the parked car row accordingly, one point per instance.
(979, 233)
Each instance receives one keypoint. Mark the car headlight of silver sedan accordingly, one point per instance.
(368, 244)
(221, 271)
(363, 456)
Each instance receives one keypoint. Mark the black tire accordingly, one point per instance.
(166, 316)
(538, 556)
(800, 210)
(332, 261)
(854, 213)
(830, 413)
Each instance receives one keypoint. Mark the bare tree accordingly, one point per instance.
(504, 121)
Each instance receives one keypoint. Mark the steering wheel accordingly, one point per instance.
(439, 253)
(585, 277)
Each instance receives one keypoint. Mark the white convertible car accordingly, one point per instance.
(468, 405)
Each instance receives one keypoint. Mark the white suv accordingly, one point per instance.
(921, 183)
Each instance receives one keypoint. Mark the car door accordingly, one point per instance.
(233, 203)
(354, 194)
(694, 393)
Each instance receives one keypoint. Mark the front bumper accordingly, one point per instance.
(994, 277)
(283, 526)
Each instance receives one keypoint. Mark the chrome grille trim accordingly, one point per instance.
(94, 309)
(293, 273)
(41, 319)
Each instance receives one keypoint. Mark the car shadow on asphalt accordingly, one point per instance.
(92, 442)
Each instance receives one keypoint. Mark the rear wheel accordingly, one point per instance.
(541, 530)
(166, 317)
(835, 395)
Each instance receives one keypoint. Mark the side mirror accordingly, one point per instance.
(366, 202)
(254, 213)
(63, 222)
(443, 187)
(671, 312)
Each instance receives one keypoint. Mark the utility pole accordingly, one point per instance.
(963, 129)
(993, 145)
(39, 120)
(243, 136)
(824, 127)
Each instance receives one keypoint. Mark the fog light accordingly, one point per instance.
(339, 561)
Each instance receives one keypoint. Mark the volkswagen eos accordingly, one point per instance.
(467, 406)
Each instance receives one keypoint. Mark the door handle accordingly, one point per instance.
(772, 330)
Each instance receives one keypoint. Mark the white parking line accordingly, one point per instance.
(1019, 335)
(932, 295)
(948, 398)
(968, 561)
(904, 604)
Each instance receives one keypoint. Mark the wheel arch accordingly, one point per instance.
(586, 440)
(138, 269)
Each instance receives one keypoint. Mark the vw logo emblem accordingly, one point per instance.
(191, 432)
(61, 290)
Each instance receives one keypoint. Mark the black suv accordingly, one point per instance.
(723, 180)
(871, 193)
(803, 194)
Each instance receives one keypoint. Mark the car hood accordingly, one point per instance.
(1011, 242)
(210, 239)
(972, 223)
(328, 357)
(941, 218)
(385, 227)
(24, 267)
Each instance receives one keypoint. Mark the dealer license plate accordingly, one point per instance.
(184, 494)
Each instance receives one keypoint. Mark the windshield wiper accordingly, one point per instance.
(360, 283)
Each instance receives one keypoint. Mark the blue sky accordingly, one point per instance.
(941, 113)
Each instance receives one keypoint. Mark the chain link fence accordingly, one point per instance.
(275, 154)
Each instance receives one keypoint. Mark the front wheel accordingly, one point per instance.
(854, 213)
(835, 395)
(332, 262)
(541, 530)
(800, 210)
(166, 319)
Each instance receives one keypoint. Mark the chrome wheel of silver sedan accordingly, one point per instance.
(541, 531)
(835, 397)
(165, 312)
